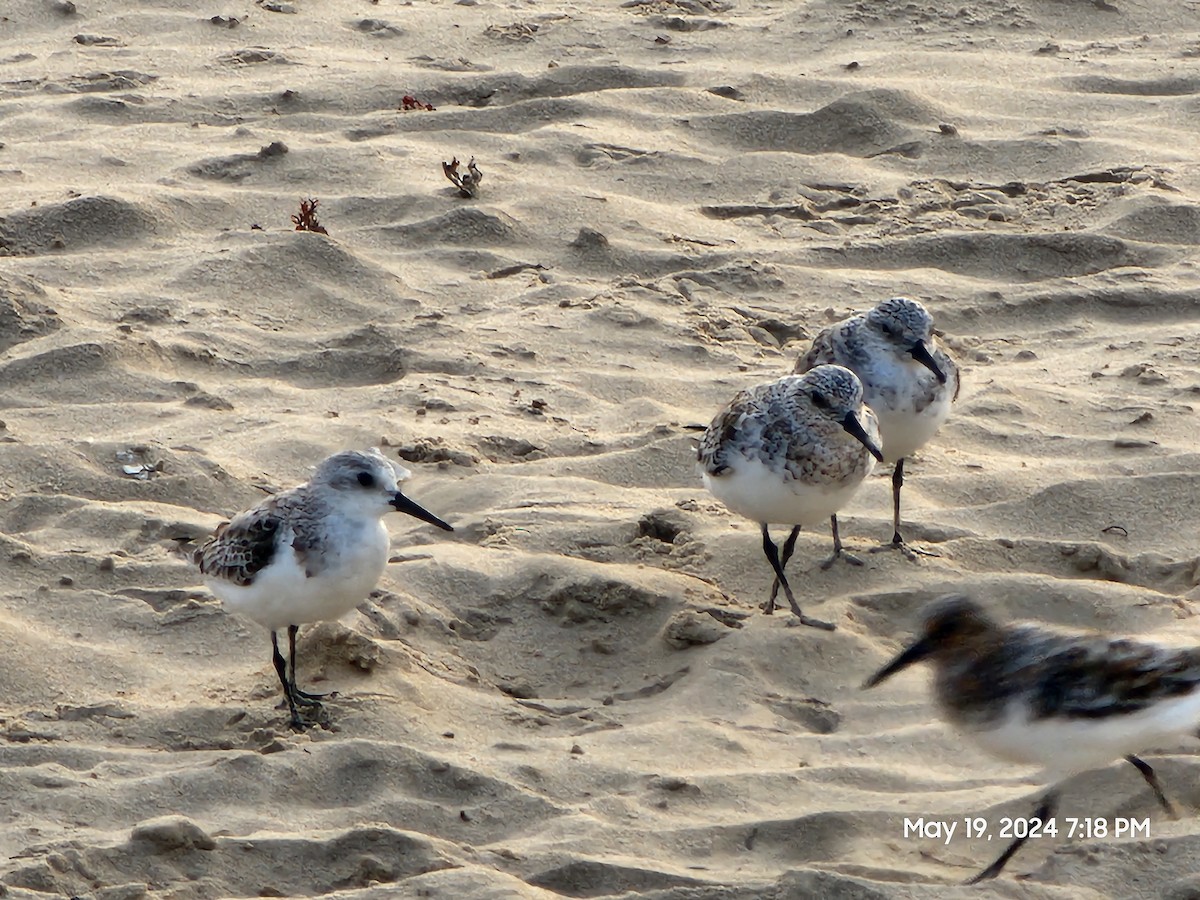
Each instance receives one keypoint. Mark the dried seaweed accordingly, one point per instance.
(467, 182)
(307, 219)
(408, 102)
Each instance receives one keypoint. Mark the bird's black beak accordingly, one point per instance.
(854, 427)
(917, 652)
(404, 505)
(922, 355)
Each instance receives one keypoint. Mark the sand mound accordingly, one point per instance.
(1020, 257)
(1166, 223)
(24, 314)
(1174, 86)
(81, 224)
(296, 275)
(466, 225)
(859, 124)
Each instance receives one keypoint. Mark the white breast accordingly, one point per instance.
(899, 392)
(750, 489)
(1066, 746)
(906, 431)
(285, 594)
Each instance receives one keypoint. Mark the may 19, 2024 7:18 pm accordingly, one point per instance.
(1009, 828)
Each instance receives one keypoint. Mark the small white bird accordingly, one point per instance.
(791, 452)
(908, 381)
(1068, 702)
(309, 554)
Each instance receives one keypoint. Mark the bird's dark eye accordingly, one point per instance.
(889, 329)
(366, 479)
(819, 399)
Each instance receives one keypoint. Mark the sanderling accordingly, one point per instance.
(1067, 701)
(791, 452)
(908, 381)
(310, 553)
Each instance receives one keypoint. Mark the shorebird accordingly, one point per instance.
(791, 452)
(908, 381)
(1066, 701)
(309, 554)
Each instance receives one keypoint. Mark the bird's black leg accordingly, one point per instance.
(281, 671)
(1151, 779)
(788, 547)
(1042, 814)
(302, 697)
(837, 547)
(897, 542)
(897, 483)
(772, 553)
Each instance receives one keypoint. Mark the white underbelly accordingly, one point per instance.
(752, 490)
(903, 432)
(284, 594)
(1066, 746)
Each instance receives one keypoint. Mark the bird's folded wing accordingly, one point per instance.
(244, 546)
(1102, 677)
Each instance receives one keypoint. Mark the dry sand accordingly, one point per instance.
(542, 704)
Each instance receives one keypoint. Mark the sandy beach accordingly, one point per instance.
(574, 694)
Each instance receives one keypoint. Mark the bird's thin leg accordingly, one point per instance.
(788, 547)
(837, 547)
(897, 483)
(897, 542)
(1152, 779)
(304, 698)
(772, 553)
(1042, 814)
(281, 671)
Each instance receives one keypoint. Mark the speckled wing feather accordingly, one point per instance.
(722, 434)
(767, 424)
(247, 544)
(1095, 677)
(1065, 675)
(821, 353)
(754, 424)
(242, 547)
